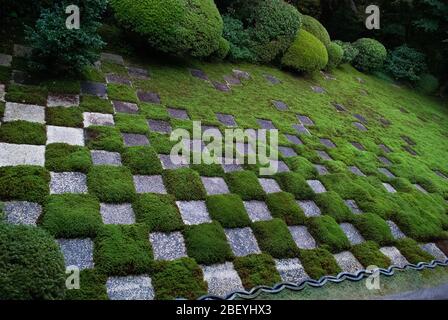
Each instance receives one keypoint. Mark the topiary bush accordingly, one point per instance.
(180, 27)
(238, 38)
(350, 51)
(314, 27)
(32, 266)
(309, 7)
(335, 55)
(372, 55)
(405, 63)
(306, 54)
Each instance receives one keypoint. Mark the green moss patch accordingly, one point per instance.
(283, 205)
(63, 86)
(369, 254)
(23, 132)
(95, 104)
(27, 94)
(61, 157)
(121, 92)
(274, 238)
(92, 287)
(327, 232)
(412, 252)
(111, 184)
(373, 227)
(318, 263)
(208, 170)
(257, 270)
(131, 123)
(333, 205)
(228, 210)
(142, 160)
(64, 117)
(245, 184)
(184, 184)
(294, 183)
(104, 138)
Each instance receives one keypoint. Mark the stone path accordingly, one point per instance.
(222, 279)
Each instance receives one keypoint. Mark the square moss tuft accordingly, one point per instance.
(184, 184)
(64, 117)
(60, 157)
(257, 270)
(23, 132)
(283, 206)
(245, 184)
(369, 254)
(374, 228)
(131, 123)
(92, 287)
(274, 238)
(295, 184)
(111, 184)
(27, 94)
(318, 263)
(327, 232)
(412, 252)
(333, 205)
(142, 160)
(95, 104)
(104, 138)
(121, 92)
(228, 210)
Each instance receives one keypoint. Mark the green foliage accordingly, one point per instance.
(157, 211)
(245, 184)
(405, 63)
(335, 55)
(130, 123)
(64, 117)
(368, 254)
(283, 205)
(327, 232)
(27, 94)
(412, 252)
(350, 51)
(223, 49)
(333, 205)
(314, 27)
(238, 38)
(111, 184)
(207, 243)
(95, 104)
(374, 228)
(306, 54)
(184, 184)
(92, 287)
(142, 160)
(372, 55)
(71, 216)
(428, 84)
(274, 238)
(257, 270)
(318, 263)
(177, 26)
(309, 7)
(60, 157)
(24, 183)
(294, 183)
(32, 266)
(104, 138)
(419, 225)
(123, 250)
(121, 92)
(228, 210)
(23, 132)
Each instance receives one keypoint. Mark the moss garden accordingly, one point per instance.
(86, 173)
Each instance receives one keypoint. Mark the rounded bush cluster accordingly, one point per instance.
(31, 264)
(335, 55)
(350, 52)
(306, 54)
(372, 55)
(405, 63)
(314, 27)
(192, 27)
(428, 84)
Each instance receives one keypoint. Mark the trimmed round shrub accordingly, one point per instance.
(405, 63)
(238, 38)
(350, 52)
(335, 55)
(223, 49)
(191, 27)
(31, 264)
(428, 84)
(309, 7)
(307, 53)
(372, 55)
(314, 27)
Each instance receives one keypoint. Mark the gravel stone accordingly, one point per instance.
(222, 279)
(94, 89)
(352, 234)
(72, 136)
(130, 288)
(178, 113)
(352, 205)
(21, 154)
(159, 126)
(150, 97)
(348, 263)
(100, 157)
(321, 170)
(287, 151)
(389, 187)
(125, 107)
(395, 256)
(193, 212)
(293, 139)
(305, 120)
(291, 270)
(215, 185)
(168, 246)
(317, 186)
(77, 252)
(242, 241)
(386, 172)
(395, 230)
(257, 211)
(226, 119)
(149, 184)
(22, 212)
(433, 250)
(173, 162)
(26, 112)
(302, 238)
(269, 185)
(68, 182)
(133, 140)
(63, 100)
(309, 207)
(98, 119)
(117, 213)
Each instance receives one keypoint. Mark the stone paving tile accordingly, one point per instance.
(22, 51)
(138, 73)
(271, 79)
(385, 161)
(21, 154)
(125, 107)
(5, 60)
(211, 130)
(114, 58)
(215, 185)
(280, 165)
(168, 246)
(395, 230)
(100, 157)
(302, 238)
(226, 119)
(360, 126)
(385, 122)
(328, 143)
(94, 88)
(193, 212)
(358, 146)
(339, 107)
(293, 139)
(409, 150)
(291, 270)
(395, 256)
(199, 74)
(385, 148)
(433, 250)
(287, 151)
(242, 241)
(172, 162)
(257, 211)
(305, 120)
(244, 148)
(352, 233)
(408, 140)
(309, 207)
(361, 118)
(160, 126)
(321, 169)
(222, 279)
(26, 112)
(118, 79)
(301, 129)
(440, 174)
(223, 87)
(22, 212)
(280, 105)
(420, 188)
(353, 206)
(133, 140)
(117, 213)
(130, 288)
(98, 119)
(317, 186)
(230, 165)
(317, 89)
(150, 97)
(231, 80)
(63, 100)
(72, 136)
(357, 171)
(77, 252)
(386, 172)
(68, 182)
(180, 114)
(348, 263)
(324, 155)
(195, 146)
(269, 185)
(149, 184)
(266, 124)
(2, 93)
(389, 188)
(241, 74)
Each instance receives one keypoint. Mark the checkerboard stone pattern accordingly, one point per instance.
(433, 250)
(193, 212)
(130, 288)
(21, 154)
(26, 112)
(257, 210)
(310, 208)
(77, 252)
(168, 246)
(352, 233)
(302, 237)
(242, 241)
(117, 213)
(22, 212)
(395, 256)
(291, 270)
(149, 184)
(100, 157)
(348, 263)
(68, 182)
(222, 279)
(71, 136)
(215, 185)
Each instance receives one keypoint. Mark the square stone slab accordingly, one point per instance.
(433, 250)
(5, 60)
(77, 252)
(193, 212)
(117, 213)
(215, 185)
(196, 146)
(138, 73)
(280, 105)
(226, 119)
(159, 126)
(100, 157)
(271, 79)
(358, 146)
(339, 107)
(2, 92)
(353, 206)
(357, 171)
(257, 211)
(293, 139)
(266, 124)
(26, 112)
(22, 212)
(328, 143)
(409, 150)
(149, 184)
(241, 74)
(223, 87)
(125, 107)
(386, 172)
(385, 148)
(440, 174)
(395, 256)
(244, 148)
(385, 161)
(242, 241)
(114, 58)
(309, 207)
(68, 182)
(287, 151)
(269, 185)
(389, 188)
(180, 114)
(301, 129)
(72, 136)
(291, 270)
(385, 122)
(348, 263)
(150, 97)
(94, 89)
(222, 279)
(231, 80)
(230, 165)
(21, 154)
(168, 246)
(115, 78)
(199, 74)
(361, 118)
(352, 234)
(302, 238)
(172, 162)
(321, 169)
(316, 186)
(63, 100)
(420, 188)
(395, 230)
(130, 288)
(409, 140)
(133, 139)
(306, 121)
(317, 89)
(280, 165)
(360, 126)
(98, 119)
(22, 51)
(324, 155)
